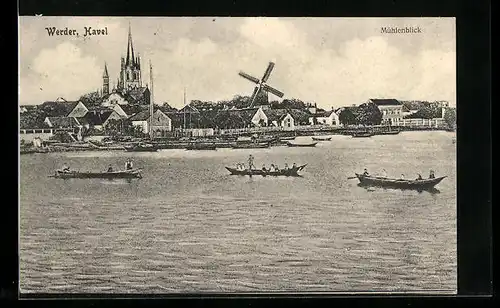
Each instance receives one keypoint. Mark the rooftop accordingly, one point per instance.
(385, 101)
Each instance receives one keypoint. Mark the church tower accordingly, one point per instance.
(105, 81)
(130, 74)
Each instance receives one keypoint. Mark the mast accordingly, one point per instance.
(184, 109)
(151, 101)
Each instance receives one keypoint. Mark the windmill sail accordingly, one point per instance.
(268, 72)
(272, 90)
(251, 78)
(262, 89)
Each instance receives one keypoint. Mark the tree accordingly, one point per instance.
(347, 116)
(91, 99)
(368, 114)
(450, 117)
(427, 112)
(292, 103)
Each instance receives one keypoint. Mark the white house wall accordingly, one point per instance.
(28, 135)
(114, 99)
(291, 124)
(258, 116)
(142, 124)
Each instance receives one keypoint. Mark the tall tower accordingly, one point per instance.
(130, 74)
(105, 81)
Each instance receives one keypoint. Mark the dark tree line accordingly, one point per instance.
(364, 114)
(427, 112)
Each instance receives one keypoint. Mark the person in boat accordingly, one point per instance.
(365, 172)
(431, 174)
(264, 168)
(286, 166)
(65, 168)
(110, 168)
(384, 173)
(419, 177)
(272, 168)
(402, 176)
(294, 166)
(250, 162)
(276, 168)
(128, 164)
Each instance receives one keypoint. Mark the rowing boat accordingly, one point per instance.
(141, 148)
(362, 134)
(294, 171)
(293, 144)
(253, 145)
(201, 146)
(122, 174)
(390, 132)
(321, 138)
(398, 183)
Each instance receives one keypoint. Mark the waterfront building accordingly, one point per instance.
(392, 110)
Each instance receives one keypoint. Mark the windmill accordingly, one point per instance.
(261, 85)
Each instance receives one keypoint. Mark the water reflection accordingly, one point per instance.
(370, 188)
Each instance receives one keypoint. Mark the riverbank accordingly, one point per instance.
(272, 138)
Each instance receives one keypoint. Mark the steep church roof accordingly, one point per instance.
(105, 74)
(131, 59)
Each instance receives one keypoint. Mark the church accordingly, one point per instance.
(128, 88)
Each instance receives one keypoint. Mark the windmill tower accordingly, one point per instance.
(261, 90)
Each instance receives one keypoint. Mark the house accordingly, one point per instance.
(138, 95)
(260, 118)
(161, 124)
(114, 98)
(329, 118)
(444, 105)
(27, 108)
(99, 118)
(68, 123)
(392, 110)
(280, 118)
(411, 107)
(126, 111)
(30, 129)
(79, 110)
(62, 108)
(189, 109)
(300, 116)
(165, 108)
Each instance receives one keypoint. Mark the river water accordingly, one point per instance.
(189, 226)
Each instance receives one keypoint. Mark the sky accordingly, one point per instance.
(332, 62)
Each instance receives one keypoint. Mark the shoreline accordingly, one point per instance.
(274, 139)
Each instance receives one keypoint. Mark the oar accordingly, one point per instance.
(352, 177)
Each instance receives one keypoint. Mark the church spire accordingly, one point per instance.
(105, 81)
(105, 74)
(130, 48)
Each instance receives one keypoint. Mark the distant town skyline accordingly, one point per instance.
(332, 62)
